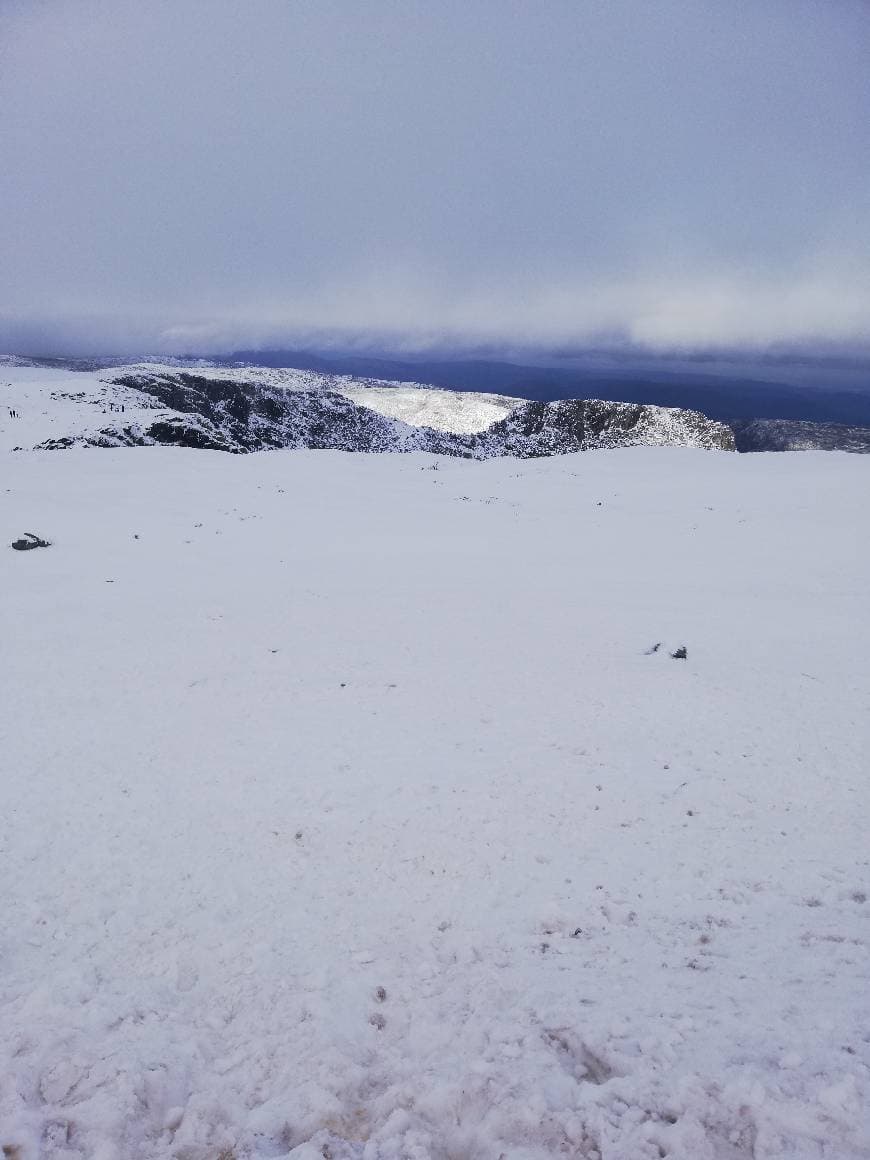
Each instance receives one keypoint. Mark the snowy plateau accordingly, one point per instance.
(356, 807)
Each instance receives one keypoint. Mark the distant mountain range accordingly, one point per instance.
(241, 408)
(721, 396)
(793, 435)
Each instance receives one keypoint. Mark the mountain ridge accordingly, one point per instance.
(241, 409)
(828, 398)
(238, 415)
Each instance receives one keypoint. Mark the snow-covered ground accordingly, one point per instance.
(461, 413)
(347, 811)
(53, 403)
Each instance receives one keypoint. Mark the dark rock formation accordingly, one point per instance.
(30, 540)
(583, 424)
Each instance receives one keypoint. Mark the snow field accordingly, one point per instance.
(347, 814)
(456, 411)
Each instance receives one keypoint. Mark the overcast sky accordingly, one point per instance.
(205, 174)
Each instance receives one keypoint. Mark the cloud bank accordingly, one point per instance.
(200, 174)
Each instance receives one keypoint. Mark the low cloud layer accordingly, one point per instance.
(199, 174)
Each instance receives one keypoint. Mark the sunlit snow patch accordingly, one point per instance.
(454, 411)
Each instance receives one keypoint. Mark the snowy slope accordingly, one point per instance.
(58, 403)
(252, 409)
(65, 404)
(348, 811)
(463, 413)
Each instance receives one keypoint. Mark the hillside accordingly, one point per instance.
(255, 409)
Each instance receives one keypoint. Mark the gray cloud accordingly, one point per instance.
(203, 174)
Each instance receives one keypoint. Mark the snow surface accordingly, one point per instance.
(54, 403)
(349, 813)
(463, 413)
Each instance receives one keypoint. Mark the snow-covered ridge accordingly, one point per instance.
(416, 404)
(248, 409)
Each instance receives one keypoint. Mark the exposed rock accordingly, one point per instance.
(28, 541)
(583, 424)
